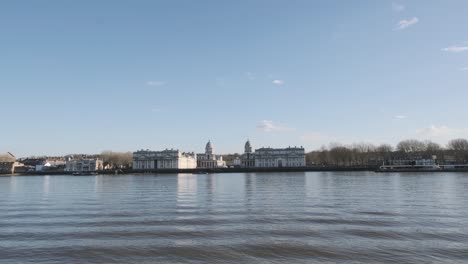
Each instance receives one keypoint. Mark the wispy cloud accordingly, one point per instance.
(398, 7)
(155, 83)
(270, 126)
(456, 49)
(400, 117)
(278, 82)
(405, 23)
(464, 69)
(156, 110)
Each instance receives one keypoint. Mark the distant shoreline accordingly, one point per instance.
(231, 170)
(206, 170)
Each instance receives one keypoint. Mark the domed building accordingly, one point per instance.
(272, 157)
(209, 160)
(248, 158)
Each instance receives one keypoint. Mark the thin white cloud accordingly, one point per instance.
(156, 110)
(278, 82)
(456, 49)
(405, 23)
(464, 69)
(270, 126)
(398, 7)
(155, 83)
(400, 117)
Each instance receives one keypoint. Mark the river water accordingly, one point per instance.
(313, 217)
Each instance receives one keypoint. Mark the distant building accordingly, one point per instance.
(247, 159)
(273, 158)
(449, 160)
(7, 167)
(237, 162)
(52, 163)
(84, 165)
(33, 162)
(8, 163)
(412, 162)
(210, 160)
(21, 168)
(166, 159)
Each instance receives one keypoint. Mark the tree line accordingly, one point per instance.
(117, 160)
(366, 154)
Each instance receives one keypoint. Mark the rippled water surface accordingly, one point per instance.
(314, 217)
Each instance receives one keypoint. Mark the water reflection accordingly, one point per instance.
(250, 187)
(210, 186)
(187, 190)
(13, 184)
(235, 218)
(46, 185)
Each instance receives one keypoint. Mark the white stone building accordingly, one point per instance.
(166, 159)
(84, 165)
(248, 158)
(209, 160)
(276, 158)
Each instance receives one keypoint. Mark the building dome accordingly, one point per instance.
(209, 148)
(247, 147)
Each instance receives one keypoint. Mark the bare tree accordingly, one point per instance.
(117, 159)
(341, 156)
(434, 150)
(362, 152)
(459, 147)
(411, 145)
(365, 154)
(432, 147)
(384, 148)
(459, 144)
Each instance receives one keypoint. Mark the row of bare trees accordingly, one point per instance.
(117, 160)
(365, 154)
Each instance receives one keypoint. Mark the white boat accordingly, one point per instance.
(433, 167)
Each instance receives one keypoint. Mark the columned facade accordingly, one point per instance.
(248, 158)
(208, 160)
(276, 158)
(84, 165)
(166, 159)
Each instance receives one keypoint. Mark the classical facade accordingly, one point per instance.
(208, 159)
(166, 159)
(287, 157)
(248, 158)
(84, 165)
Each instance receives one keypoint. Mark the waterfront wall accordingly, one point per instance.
(239, 170)
(212, 170)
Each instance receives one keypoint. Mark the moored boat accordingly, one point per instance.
(408, 168)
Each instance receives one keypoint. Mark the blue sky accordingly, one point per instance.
(87, 76)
